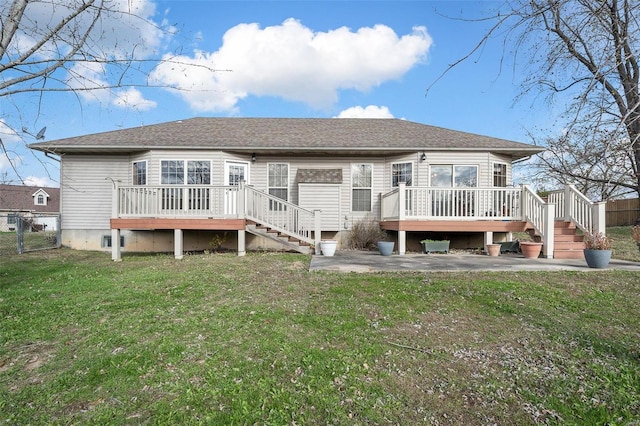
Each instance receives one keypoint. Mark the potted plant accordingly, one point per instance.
(493, 249)
(635, 233)
(597, 250)
(328, 247)
(429, 246)
(530, 249)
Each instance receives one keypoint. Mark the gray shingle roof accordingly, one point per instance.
(290, 135)
(20, 198)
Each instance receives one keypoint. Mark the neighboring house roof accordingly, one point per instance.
(21, 198)
(288, 136)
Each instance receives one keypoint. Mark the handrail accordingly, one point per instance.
(574, 206)
(281, 215)
(533, 209)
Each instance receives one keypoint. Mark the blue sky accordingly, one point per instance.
(295, 59)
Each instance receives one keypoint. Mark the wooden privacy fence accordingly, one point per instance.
(623, 212)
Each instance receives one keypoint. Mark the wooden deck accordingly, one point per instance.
(455, 225)
(145, 224)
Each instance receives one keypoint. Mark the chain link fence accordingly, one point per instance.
(25, 232)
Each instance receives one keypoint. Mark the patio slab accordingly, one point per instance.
(371, 261)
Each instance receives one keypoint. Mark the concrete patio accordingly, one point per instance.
(371, 261)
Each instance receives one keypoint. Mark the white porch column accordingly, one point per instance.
(177, 244)
(568, 202)
(241, 242)
(317, 229)
(402, 203)
(599, 217)
(488, 239)
(241, 200)
(548, 232)
(115, 245)
(115, 233)
(402, 242)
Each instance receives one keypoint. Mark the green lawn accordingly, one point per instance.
(221, 339)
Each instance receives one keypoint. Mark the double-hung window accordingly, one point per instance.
(361, 184)
(139, 173)
(401, 172)
(172, 172)
(278, 183)
(198, 172)
(499, 175)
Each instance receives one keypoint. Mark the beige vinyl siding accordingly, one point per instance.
(484, 162)
(325, 198)
(87, 190)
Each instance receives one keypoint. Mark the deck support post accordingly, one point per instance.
(115, 233)
(402, 242)
(178, 244)
(317, 230)
(241, 242)
(115, 245)
(488, 239)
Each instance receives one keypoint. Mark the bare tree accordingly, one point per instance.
(104, 49)
(583, 55)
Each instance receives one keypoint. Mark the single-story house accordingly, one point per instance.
(261, 183)
(38, 205)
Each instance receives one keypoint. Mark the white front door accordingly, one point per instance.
(234, 173)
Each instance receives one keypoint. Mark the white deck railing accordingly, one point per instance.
(178, 201)
(281, 215)
(218, 202)
(420, 203)
(572, 206)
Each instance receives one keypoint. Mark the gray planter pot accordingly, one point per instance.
(598, 259)
(386, 247)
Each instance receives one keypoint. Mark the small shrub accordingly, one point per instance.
(597, 241)
(217, 241)
(635, 233)
(365, 234)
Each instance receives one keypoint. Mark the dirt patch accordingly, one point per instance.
(29, 357)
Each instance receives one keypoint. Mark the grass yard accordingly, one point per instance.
(221, 339)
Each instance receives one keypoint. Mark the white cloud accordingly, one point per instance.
(292, 62)
(123, 32)
(370, 111)
(88, 79)
(132, 98)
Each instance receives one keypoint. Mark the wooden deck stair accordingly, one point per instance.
(288, 242)
(567, 243)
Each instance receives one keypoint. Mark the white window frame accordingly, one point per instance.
(185, 171)
(452, 183)
(399, 163)
(354, 188)
(134, 172)
(286, 187)
(493, 174)
(244, 164)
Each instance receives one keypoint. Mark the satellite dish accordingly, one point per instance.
(40, 134)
